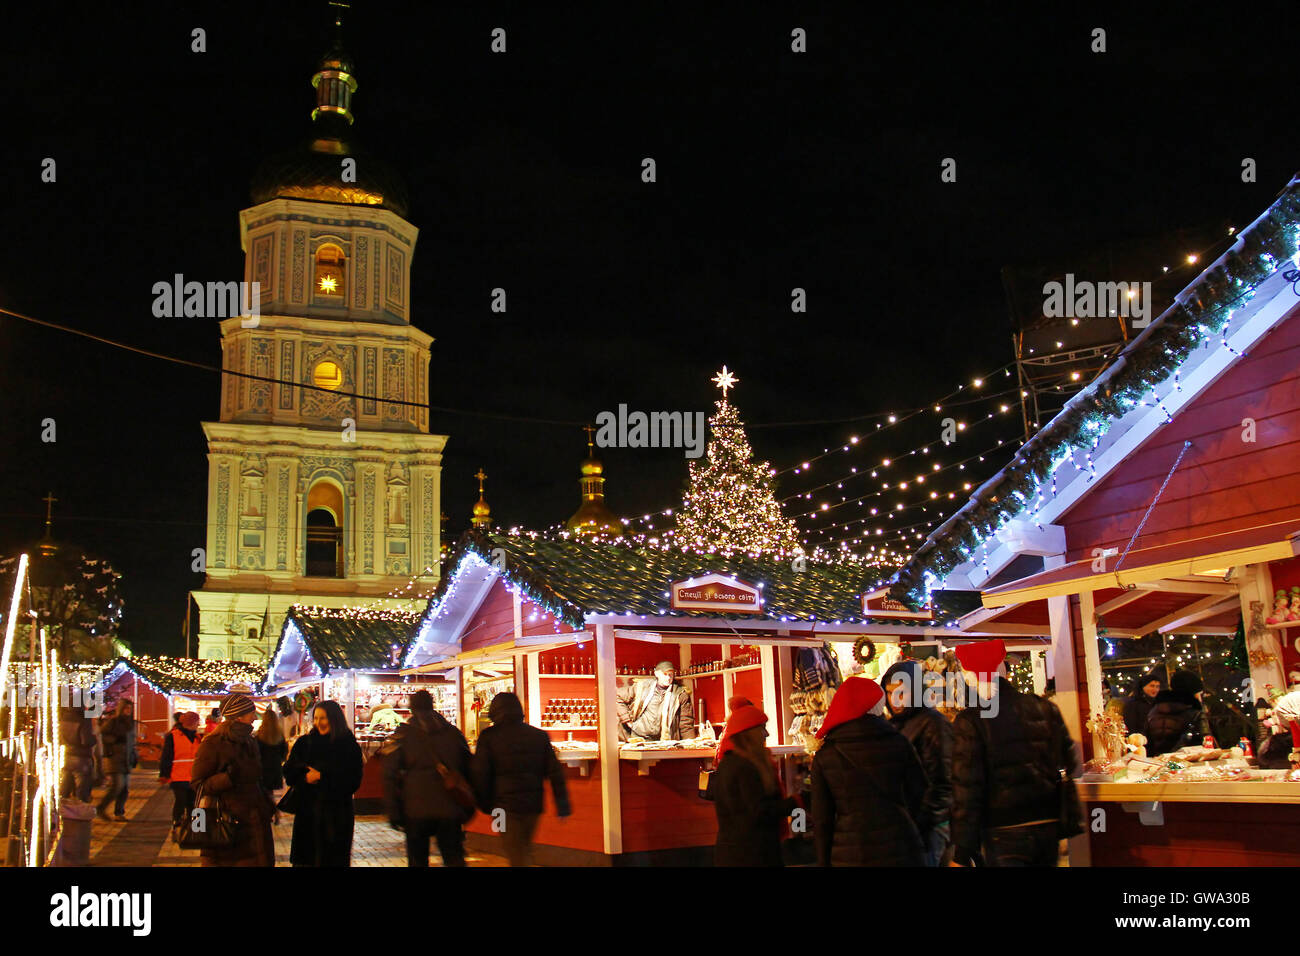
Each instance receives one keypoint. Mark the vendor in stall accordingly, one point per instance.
(656, 709)
(1137, 707)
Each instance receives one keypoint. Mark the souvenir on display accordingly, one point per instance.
(1281, 611)
(1295, 604)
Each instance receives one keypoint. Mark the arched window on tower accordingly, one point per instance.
(331, 277)
(324, 531)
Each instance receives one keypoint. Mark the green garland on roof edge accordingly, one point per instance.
(1209, 303)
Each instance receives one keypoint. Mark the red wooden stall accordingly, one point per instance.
(567, 624)
(1178, 513)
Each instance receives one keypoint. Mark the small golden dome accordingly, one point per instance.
(592, 517)
(482, 513)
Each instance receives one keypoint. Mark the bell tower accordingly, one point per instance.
(324, 484)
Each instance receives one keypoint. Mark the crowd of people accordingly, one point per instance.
(893, 781)
(432, 784)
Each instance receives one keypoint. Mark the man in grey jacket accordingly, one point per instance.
(658, 709)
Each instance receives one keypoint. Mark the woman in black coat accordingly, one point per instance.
(325, 769)
(273, 749)
(747, 794)
(868, 788)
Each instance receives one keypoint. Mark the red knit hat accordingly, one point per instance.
(856, 696)
(745, 717)
(982, 659)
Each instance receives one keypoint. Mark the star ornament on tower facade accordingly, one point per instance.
(725, 380)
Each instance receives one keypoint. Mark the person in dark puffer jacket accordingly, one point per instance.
(867, 784)
(415, 794)
(1007, 768)
(1177, 719)
(931, 735)
(511, 764)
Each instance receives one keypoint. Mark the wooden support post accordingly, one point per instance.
(766, 655)
(1062, 655)
(607, 702)
(1091, 659)
(1257, 585)
(784, 688)
(350, 699)
(527, 685)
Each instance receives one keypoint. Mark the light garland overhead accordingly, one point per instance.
(1203, 312)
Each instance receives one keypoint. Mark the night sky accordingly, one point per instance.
(775, 170)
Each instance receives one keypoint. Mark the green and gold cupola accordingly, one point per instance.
(312, 171)
(592, 516)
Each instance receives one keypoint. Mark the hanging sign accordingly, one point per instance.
(878, 603)
(716, 592)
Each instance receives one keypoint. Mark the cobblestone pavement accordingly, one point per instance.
(144, 840)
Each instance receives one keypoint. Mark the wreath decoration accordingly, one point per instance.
(303, 700)
(858, 647)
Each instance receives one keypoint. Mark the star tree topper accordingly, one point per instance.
(725, 380)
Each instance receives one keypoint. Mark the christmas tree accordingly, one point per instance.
(730, 502)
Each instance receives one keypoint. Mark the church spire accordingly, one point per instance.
(592, 516)
(334, 80)
(482, 513)
(47, 544)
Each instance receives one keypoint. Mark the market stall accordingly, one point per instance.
(162, 686)
(572, 625)
(1161, 509)
(352, 656)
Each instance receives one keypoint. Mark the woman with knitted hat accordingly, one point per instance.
(868, 786)
(229, 764)
(748, 799)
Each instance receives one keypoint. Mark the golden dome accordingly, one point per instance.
(592, 517)
(482, 513)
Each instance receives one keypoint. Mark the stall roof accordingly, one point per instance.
(349, 638)
(1200, 316)
(1209, 557)
(575, 577)
(185, 675)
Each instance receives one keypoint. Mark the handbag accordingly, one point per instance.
(706, 785)
(457, 786)
(219, 824)
(291, 802)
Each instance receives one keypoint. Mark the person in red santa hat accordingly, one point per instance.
(868, 787)
(747, 795)
(1011, 759)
